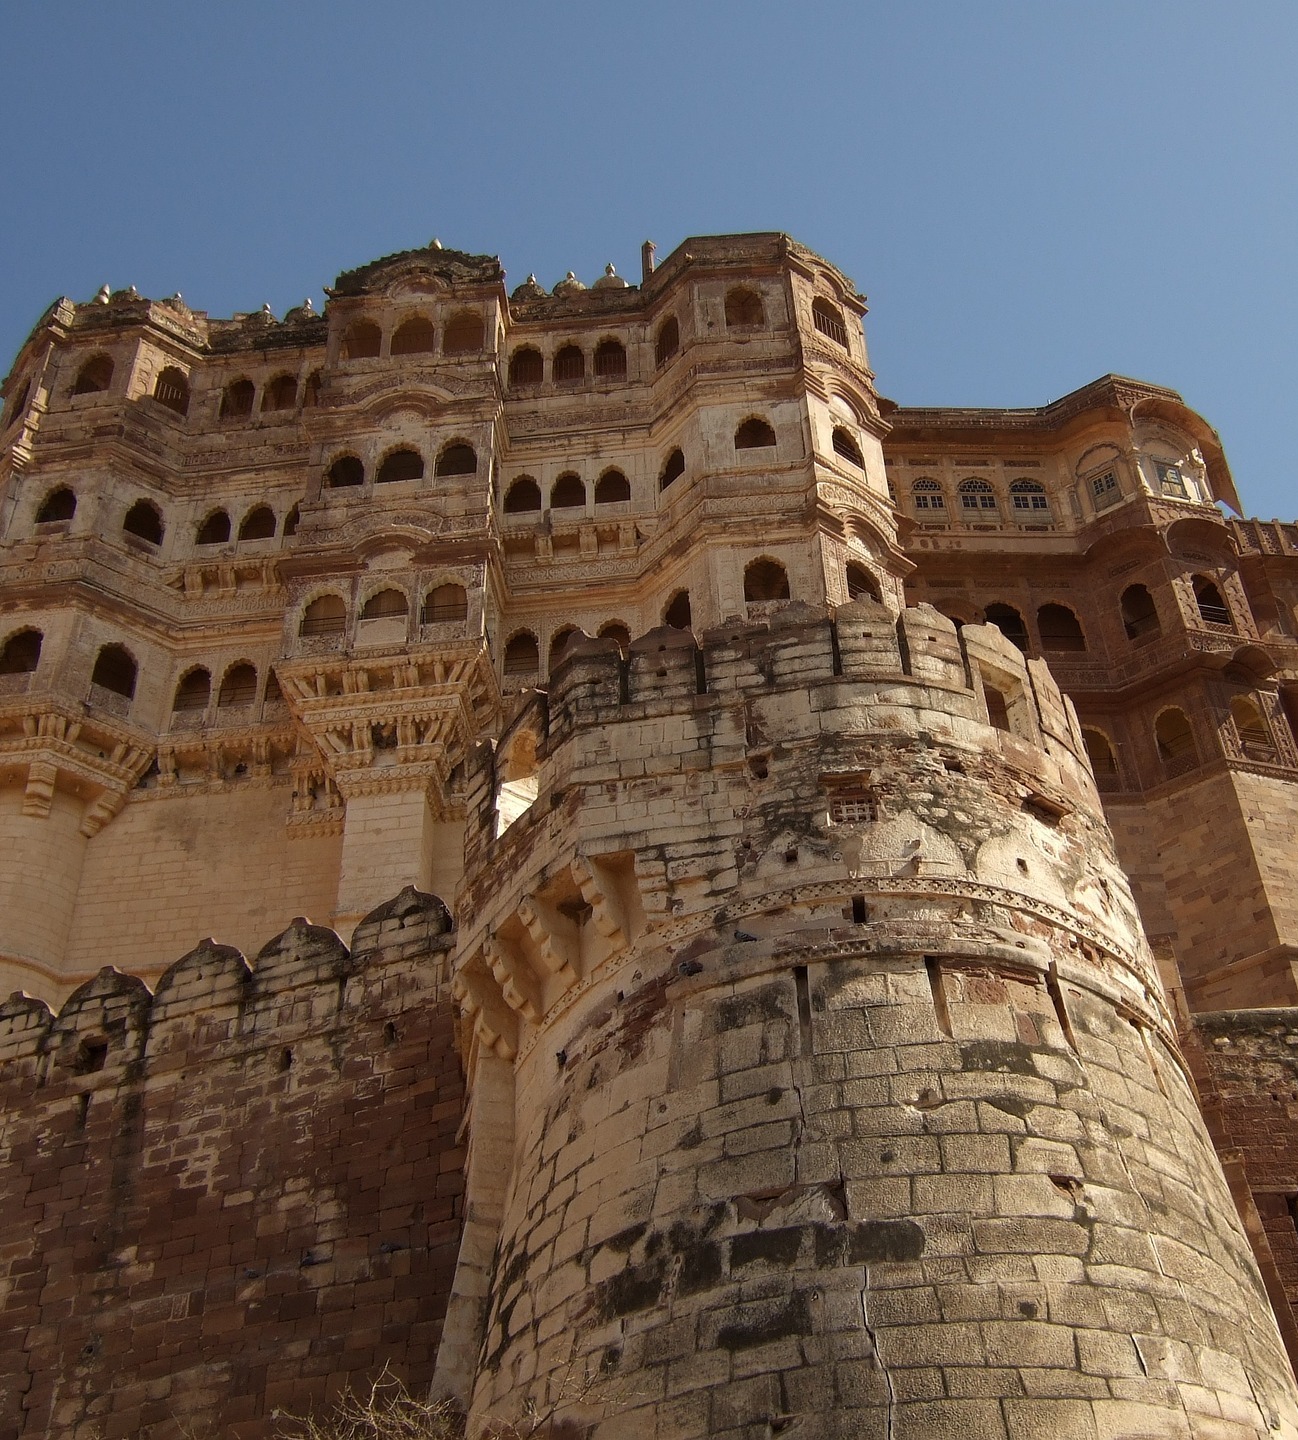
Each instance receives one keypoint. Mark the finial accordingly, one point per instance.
(308, 306)
(436, 244)
(101, 298)
(266, 310)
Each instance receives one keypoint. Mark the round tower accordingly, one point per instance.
(822, 1080)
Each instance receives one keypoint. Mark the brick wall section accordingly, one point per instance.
(234, 1195)
(1246, 1068)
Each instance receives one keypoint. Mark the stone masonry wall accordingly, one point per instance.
(845, 1099)
(232, 1196)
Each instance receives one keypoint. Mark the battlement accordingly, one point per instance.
(250, 1170)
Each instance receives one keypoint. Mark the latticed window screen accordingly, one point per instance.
(852, 807)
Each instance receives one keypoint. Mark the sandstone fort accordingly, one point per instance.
(557, 842)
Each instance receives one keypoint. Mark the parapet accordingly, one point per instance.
(911, 672)
(212, 995)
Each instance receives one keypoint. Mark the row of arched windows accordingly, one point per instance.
(567, 493)
(441, 605)
(403, 463)
(976, 500)
(237, 690)
(1061, 631)
(464, 334)
(1176, 746)
(239, 398)
(568, 366)
(116, 671)
(144, 520)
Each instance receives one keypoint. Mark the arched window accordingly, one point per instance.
(95, 375)
(1061, 633)
(21, 653)
(194, 691)
(559, 642)
(568, 492)
(523, 496)
(765, 580)
(258, 524)
(60, 504)
(611, 487)
(927, 495)
(445, 605)
(526, 367)
(311, 390)
(828, 319)
(847, 447)
(239, 687)
(861, 585)
(1139, 615)
(1212, 608)
(325, 615)
(615, 630)
(172, 390)
(345, 472)
(522, 654)
(977, 499)
(1029, 500)
(1175, 741)
(291, 521)
(403, 464)
(744, 310)
(464, 334)
(677, 613)
(754, 434)
(115, 670)
(569, 366)
(1010, 623)
(236, 399)
(144, 521)
(458, 459)
(386, 605)
(673, 469)
(610, 359)
(1253, 731)
(280, 394)
(362, 340)
(1100, 753)
(415, 336)
(668, 341)
(215, 530)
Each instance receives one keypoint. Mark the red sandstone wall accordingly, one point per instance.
(250, 1197)
(1246, 1066)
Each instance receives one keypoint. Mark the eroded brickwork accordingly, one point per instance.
(237, 1194)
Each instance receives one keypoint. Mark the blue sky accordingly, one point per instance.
(1031, 194)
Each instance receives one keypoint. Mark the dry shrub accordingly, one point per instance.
(390, 1412)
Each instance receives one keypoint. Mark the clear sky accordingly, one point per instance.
(1031, 194)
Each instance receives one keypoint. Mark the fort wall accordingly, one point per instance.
(842, 1077)
(235, 1195)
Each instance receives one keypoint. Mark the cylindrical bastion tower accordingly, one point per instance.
(822, 1083)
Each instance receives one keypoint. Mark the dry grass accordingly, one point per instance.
(388, 1411)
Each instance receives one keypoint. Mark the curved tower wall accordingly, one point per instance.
(821, 1072)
